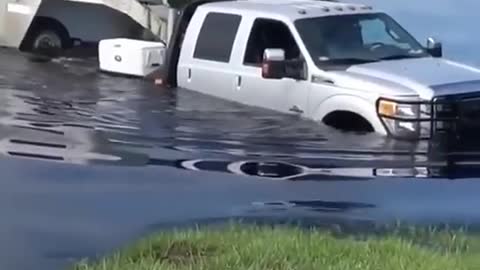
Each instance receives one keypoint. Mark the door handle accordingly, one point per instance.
(296, 109)
(239, 82)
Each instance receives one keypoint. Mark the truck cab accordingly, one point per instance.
(349, 66)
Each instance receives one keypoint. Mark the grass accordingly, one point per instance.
(282, 248)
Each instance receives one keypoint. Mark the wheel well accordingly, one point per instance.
(40, 23)
(348, 121)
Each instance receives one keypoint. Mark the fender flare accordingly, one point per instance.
(356, 105)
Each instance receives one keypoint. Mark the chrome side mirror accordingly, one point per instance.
(273, 64)
(274, 55)
(434, 47)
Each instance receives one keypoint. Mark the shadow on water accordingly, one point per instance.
(65, 110)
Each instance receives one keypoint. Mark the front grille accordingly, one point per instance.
(457, 120)
(469, 114)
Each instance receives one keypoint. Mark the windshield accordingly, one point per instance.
(356, 38)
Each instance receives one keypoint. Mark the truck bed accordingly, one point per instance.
(151, 17)
(17, 17)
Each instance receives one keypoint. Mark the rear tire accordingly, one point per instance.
(46, 35)
(47, 38)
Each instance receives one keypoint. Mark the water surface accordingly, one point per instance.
(66, 110)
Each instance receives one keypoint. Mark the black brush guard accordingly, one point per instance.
(454, 120)
(455, 124)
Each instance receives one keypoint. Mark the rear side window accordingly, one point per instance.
(215, 41)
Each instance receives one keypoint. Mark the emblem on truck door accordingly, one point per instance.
(118, 58)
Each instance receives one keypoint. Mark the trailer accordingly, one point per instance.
(32, 24)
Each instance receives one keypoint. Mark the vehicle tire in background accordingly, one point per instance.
(46, 36)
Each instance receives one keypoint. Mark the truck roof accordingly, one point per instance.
(293, 9)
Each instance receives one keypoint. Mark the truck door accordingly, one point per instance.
(285, 95)
(205, 59)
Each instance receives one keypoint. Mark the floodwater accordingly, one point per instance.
(89, 161)
(65, 110)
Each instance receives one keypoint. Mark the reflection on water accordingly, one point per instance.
(65, 110)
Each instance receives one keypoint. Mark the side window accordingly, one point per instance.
(269, 34)
(216, 37)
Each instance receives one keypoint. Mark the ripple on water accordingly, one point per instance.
(97, 118)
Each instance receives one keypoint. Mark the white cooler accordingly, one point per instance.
(130, 56)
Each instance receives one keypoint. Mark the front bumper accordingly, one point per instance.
(453, 119)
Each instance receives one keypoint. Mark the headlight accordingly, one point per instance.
(404, 119)
(393, 109)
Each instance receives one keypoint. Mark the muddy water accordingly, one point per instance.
(66, 110)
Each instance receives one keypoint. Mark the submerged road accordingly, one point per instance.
(54, 214)
(91, 162)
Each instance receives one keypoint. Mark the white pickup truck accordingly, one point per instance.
(347, 65)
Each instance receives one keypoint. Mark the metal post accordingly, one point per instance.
(172, 16)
